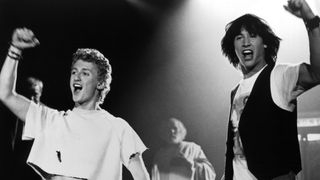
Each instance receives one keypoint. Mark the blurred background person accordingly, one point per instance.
(179, 159)
(21, 147)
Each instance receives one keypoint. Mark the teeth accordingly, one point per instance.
(247, 52)
(77, 87)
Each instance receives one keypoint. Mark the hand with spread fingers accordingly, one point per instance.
(23, 38)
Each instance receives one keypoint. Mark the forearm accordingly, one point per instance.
(141, 173)
(138, 169)
(8, 75)
(22, 38)
(314, 45)
(144, 176)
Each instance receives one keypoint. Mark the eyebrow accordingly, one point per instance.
(82, 69)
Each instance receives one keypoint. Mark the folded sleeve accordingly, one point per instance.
(284, 86)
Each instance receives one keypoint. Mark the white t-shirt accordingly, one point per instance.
(79, 143)
(284, 89)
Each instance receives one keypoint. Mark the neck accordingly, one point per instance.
(35, 100)
(174, 144)
(247, 73)
(87, 106)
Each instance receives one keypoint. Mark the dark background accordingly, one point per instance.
(166, 61)
(141, 90)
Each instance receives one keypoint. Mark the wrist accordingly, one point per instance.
(14, 53)
(15, 49)
(312, 23)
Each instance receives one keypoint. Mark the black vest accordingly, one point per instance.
(268, 134)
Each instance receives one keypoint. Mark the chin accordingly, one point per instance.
(175, 141)
(76, 101)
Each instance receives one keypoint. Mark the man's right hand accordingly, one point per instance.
(23, 38)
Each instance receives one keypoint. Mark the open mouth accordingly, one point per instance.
(77, 88)
(247, 54)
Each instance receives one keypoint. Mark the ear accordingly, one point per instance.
(101, 85)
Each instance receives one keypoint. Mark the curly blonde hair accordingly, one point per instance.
(104, 67)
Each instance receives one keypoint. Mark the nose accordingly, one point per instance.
(246, 41)
(76, 76)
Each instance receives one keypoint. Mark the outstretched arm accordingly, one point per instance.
(309, 75)
(21, 39)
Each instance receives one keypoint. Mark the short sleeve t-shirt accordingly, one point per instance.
(79, 143)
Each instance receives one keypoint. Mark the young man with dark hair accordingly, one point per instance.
(262, 140)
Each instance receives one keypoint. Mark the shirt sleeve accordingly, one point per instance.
(130, 144)
(203, 168)
(284, 88)
(37, 119)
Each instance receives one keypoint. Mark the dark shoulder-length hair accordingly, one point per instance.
(254, 25)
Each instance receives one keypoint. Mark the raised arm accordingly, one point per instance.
(309, 75)
(21, 39)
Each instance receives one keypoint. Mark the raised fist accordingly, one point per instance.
(23, 38)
